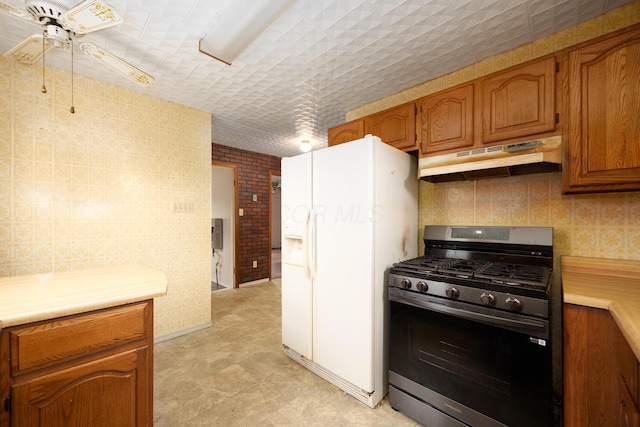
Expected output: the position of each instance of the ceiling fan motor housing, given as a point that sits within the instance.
(57, 36)
(43, 10)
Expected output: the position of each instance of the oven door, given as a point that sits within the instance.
(474, 371)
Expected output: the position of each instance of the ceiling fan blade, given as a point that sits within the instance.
(17, 12)
(88, 16)
(126, 69)
(29, 50)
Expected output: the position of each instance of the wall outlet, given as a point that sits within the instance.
(255, 197)
(255, 264)
(240, 212)
(180, 207)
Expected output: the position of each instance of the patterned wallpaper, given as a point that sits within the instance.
(126, 179)
(603, 225)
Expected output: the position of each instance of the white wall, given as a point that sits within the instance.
(222, 206)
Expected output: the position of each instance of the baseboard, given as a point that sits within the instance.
(182, 332)
(255, 282)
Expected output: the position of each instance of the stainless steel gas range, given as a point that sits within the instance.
(470, 337)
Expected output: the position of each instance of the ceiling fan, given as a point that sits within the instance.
(65, 21)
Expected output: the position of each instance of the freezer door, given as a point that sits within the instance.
(343, 221)
(297, 284)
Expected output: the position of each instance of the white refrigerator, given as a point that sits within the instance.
(348, 213)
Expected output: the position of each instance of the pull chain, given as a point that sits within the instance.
(72, 110)
(43, 89)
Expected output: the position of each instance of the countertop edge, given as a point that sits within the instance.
(587, 301)
(618, 284)
(34, 298)
(620, 312)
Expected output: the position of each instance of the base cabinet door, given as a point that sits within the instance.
(110, 392)
(629, 416)
(600, 370)
(90, 369)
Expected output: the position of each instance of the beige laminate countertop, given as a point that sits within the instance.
(608, 284)
(31, 298)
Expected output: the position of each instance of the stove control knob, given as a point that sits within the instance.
(513, 304)
(452, 292)
(405, 284)
(488, 299)
(422, 287)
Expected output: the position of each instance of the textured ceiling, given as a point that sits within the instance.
(320, 59)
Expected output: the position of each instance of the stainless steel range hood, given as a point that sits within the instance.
(535, 156)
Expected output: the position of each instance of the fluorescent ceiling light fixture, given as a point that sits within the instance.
(239, 26)
(305, 146)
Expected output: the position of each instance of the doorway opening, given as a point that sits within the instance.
(275, 227)
(223, 241)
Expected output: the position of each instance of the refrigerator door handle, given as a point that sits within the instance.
(305, 248)
(311, 244)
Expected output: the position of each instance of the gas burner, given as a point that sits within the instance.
(463, 268)
(508, 274)
(531, 276)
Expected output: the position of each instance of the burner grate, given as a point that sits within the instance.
(482, 271)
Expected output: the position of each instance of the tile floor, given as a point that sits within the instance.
(236, 374)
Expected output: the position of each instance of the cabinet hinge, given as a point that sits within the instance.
(557, 67)
(7, 404)
(557, 118)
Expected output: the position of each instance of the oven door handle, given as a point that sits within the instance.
(520, 324)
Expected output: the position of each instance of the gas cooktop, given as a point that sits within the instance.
(501, 268)
(500, 273)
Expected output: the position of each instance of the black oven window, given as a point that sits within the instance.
(502, 374)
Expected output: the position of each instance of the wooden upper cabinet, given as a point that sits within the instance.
(445, 120)
(603, 146)
(395, 126)
(519, 101)
(349, 131)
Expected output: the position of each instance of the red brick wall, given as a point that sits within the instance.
(253, 178)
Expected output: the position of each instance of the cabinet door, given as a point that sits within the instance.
(446, 120)
(596, 356)
(603, 147)
(395, 126)
(519, 101)
(346, 132)
(109, 392)
(629, 415)
(576, 365)
(5, 378)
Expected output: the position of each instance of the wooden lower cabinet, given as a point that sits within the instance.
(91, 369)
(600, 371)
